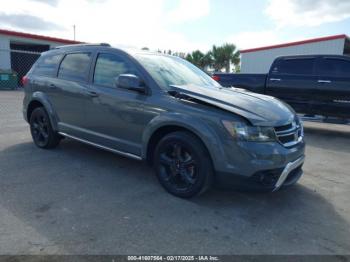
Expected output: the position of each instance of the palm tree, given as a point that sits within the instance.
(200, 59)
(232, 55)
(224, 56)
(218, 58)
(195, 58)
(207, 60)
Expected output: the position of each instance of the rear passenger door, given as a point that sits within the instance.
(334, 86)
(70, 91)
(294, 81)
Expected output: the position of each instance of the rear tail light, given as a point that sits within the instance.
(216, 78)
(25, 80)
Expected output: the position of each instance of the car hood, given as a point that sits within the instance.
(260, 110)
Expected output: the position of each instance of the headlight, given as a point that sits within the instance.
(245, 132)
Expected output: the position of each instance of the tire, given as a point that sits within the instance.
(41, 130)
(183, 165)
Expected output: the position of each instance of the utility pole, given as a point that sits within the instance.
(74, 31)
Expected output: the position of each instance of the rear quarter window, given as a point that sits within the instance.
(294, 66)
(75, 66)
(334, 67)
(47, 65)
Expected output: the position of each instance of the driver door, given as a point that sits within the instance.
(114, 116)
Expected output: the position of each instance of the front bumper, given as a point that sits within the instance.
(266, 180)
(260, 166)
(290, 167)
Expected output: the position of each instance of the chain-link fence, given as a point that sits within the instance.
(14, 64)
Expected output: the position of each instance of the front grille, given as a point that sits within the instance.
(289, 135)
(283, 128)
(286, 139)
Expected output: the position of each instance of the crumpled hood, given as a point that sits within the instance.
(259, 109)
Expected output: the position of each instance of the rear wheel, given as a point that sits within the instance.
(40, 127)
(183, 165)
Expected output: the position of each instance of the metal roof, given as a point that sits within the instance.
(314, 40)
(37, 37)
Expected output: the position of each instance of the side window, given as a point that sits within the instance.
(108, 67)
(293, 66)
(75, 66)
(334, 67)
(47, 65)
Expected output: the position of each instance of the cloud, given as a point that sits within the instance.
(28, 22)
(307, 12)
(189, 10)
(48, 2)
(292, 13)
(252, 39)
(131, 23)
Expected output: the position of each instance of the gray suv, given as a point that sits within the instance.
(162, 109)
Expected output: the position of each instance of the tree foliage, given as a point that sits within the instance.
(219, 57)
(200, 59)
(224, 56)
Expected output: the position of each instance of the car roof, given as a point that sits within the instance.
(313, 56)
(102, 46)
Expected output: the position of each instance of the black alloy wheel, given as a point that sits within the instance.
(183, 164)
(41, 129)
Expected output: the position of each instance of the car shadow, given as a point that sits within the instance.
(345, 133)
(88, 201)
(299, 213)
(328, 139)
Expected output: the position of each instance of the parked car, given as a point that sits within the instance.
(316, 85)
(163, 110)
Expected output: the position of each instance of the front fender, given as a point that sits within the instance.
(44, 100)
(208, 136)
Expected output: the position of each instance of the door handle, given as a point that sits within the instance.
(52, 86)
(324, 81)
(275, 79)
(93, 94)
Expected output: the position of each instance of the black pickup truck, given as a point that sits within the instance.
(313, 85)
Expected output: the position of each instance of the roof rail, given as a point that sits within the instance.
(99, 44)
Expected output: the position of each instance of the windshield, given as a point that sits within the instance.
(172, 70)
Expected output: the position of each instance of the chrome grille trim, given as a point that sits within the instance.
(287, 132)
(296, 132)
(293, 143)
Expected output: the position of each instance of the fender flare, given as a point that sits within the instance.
(44, 100)
(209, 138)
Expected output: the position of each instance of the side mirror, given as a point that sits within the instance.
(129, 81)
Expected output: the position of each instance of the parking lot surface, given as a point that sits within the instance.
(77, 199)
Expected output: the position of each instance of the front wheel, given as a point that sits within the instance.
(40, 127)
(183, 165)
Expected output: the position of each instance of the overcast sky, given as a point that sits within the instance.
(179, 25)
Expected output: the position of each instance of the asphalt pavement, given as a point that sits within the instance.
(77, 199)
